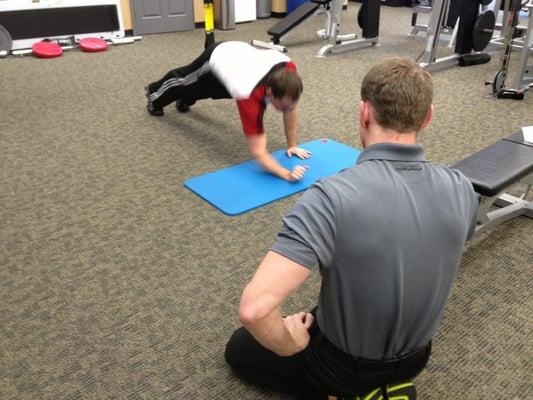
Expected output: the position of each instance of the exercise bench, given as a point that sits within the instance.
(494, 169)
(367, 18)
(301, 14)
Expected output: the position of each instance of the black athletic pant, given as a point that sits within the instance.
(190, 83)
(468, 13)
(319, 370)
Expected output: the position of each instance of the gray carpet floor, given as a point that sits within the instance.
(118, 282)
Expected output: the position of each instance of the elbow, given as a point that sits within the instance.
(251, 312)
(257, 152)
(257, 145)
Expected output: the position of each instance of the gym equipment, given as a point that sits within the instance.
(297, 17)
(93, 45)
(209, 21)
(472, 32)
(246, 186)
(368, 19)
(29, 22)
(68, 43)
(497, 41)
(5, 42)
(494, 169)
(524, 77)
(448, 21)
(46, 49)
(125, 40)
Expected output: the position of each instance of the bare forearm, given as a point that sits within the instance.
(289, 122)
(259, 311)
(269, 164)
(271, 333)
(258, 148)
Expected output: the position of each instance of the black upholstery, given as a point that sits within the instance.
(518, 137)
(498, 166)
(293, 19)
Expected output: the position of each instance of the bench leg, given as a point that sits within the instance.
(511, 207)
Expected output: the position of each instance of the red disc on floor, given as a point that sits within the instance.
(46, 49)
(93, 44)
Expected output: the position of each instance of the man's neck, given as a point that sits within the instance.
(381, 135)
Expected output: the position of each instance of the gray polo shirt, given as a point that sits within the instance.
(387, 235)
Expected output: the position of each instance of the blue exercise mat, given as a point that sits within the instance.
(243, 187)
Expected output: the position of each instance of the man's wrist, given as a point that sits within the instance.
(286, 174)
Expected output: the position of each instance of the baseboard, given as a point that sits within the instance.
(278, 14)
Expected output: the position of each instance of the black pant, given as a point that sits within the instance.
(321, 369)
(190, 83)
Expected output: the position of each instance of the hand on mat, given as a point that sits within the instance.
(298, 326)
(297, 173)
(300, 153)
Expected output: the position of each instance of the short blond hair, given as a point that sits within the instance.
(400, 93)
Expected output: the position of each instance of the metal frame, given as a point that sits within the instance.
(433, 30)
(419, 27)
(512, 207)
(340, 43)
(524, 76)
(336, 43)
(322, 34)
(498, 26)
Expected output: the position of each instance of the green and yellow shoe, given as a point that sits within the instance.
(400, 391)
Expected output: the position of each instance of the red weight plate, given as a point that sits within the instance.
(93, 45)
(46, 49)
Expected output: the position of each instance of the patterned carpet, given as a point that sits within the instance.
(117, 282)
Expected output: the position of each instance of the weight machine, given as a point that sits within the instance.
(524, 76)
(497, 41)
(473, 31)
(368, 19)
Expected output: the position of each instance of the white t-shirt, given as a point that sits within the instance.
(240, 66)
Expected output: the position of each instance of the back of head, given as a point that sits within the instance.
(285, 82)
(400, 93)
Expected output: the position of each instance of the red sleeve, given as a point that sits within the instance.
(290, 65)
(251, 111)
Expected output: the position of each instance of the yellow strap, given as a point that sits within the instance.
(209, 17)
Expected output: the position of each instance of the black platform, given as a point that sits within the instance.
(292, 20)
(518, 137)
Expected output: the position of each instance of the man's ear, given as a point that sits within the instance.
(364, 114)
(428, 117)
